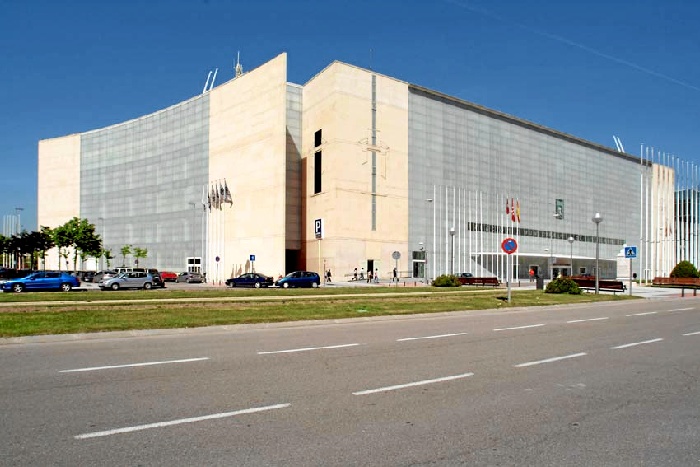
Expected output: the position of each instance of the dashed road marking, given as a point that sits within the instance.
(582, 320)
(416, 383)
(682, 309)
(550, 360)
(111, 367)
(644, 314)
(431, 337)
(520, 327)
(633, 344)
(692, 333)
(306, 349)
(130, 429)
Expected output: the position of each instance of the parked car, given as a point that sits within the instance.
(128, 280)
(190, 277)
(168, 276)
(299, 279)
(103, 275)
(250, 279)
(157, 278)
(87, 276)
(42, 280)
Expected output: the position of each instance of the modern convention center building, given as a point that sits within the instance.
(355, 169)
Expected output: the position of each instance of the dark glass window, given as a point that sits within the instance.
(317, 172)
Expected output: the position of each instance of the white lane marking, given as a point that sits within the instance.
(306, 349)
(624, 346)
(589, 319)
(644, 314)
(110, 367)
(682, 309)
(408, 385)
(520, 327)
(692, 333)
(431, 337)
(550, 360)
(129, 429)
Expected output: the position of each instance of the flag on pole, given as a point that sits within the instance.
(227, 194)
(222, 195)
(517, 210)
(512, 210)
(507, 207)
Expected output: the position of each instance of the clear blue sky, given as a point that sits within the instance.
(592, 69)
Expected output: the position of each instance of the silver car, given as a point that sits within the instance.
(128, 280)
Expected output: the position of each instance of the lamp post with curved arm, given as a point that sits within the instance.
(597, 219)
(571, 252)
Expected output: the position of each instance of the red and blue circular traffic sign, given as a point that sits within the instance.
(509, 245)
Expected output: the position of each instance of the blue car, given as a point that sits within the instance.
(299, 279)
(38, 281)
(250, 279)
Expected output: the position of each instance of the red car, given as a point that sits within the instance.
(168, 276)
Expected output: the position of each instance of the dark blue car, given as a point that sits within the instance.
(300, 279)
(37, 281)
(250, 279)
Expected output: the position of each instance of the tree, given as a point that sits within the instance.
(80, 235)
(107, 255)
(140, 253)
(125, 250)
(37, 243)
(4, 249)
(63, 238)
(684, 269)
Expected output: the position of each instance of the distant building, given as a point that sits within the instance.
(237, 177)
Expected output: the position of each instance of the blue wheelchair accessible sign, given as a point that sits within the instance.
(630, 252)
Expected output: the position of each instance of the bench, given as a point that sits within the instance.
(483, 281)
(603, 285)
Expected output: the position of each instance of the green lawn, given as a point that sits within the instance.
(83, 312)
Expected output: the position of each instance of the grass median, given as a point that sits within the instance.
(88, 312)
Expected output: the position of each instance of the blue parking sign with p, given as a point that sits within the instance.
(630, 252)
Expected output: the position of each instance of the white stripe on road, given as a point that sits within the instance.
(553, 359)
(110, 367)
(430, 337)
(624, 346)
(692, 333)
(682, 309)
(408, 385)
(129, 429)
(589, 319)
(306, 349)
(519, 327)
(644, 314)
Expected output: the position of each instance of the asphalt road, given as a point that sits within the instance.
(612, 384)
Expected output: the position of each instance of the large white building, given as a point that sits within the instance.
(237, 177)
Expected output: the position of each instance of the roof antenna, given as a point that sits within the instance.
(211, 86)
(206, 85)
(239, 68)
(618, 144)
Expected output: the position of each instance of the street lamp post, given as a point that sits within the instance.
(452, 251)
(571, 252)
(597, 219)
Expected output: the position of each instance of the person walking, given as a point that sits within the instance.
(532, 274)
(395, 278)
(369, 276)
(362, 274)
(354, 275)
(376, 276)
(329, 276)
